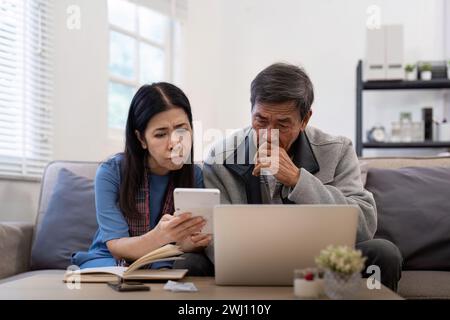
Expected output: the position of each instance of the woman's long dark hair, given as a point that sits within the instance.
(147, 102)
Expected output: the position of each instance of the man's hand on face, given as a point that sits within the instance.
(275, 159)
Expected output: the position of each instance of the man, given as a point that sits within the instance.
(310, 166)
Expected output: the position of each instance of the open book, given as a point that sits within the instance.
(168, 252)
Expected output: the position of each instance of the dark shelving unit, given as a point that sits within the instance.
(407, 85)
(393, 145)
(362, 86)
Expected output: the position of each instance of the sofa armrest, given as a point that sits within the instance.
(15, 247)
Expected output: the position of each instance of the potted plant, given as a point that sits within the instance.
(425, 71)
(448, 69)
(343, 266)
(409, 72)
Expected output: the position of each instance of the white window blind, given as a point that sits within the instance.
(25, 87)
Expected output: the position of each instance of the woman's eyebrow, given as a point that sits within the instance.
(176, 126)
(160, 128)
(181, 124)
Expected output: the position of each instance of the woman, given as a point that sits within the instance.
(134, 189)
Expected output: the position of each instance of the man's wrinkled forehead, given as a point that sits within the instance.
(281, 110)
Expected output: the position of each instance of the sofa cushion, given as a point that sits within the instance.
(402, 162)
(424, 285)
(413, 212)
(80, 168)
(15, 247)
(69, 223)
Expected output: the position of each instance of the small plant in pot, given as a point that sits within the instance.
(410, 73)
(425, 71)
(343, 266)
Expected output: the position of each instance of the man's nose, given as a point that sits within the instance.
(270, 131)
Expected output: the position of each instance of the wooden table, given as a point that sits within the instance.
(48, 285)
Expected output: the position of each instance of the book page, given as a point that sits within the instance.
(168, 251)
(118, 271)
(112, 274)
(95, 274)
(157, 274)
(95, 278)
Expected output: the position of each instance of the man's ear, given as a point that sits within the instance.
(138, 135)
(306, 120)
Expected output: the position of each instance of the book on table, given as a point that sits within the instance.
(135, 271)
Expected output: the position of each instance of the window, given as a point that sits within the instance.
(25, 87)
(140, 51)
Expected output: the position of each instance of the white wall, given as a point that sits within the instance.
(19, 200)
(81, 83)
(231, 41)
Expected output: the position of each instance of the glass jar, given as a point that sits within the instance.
(418, 131)
(396, 132)
(339, 286)
(308, 283)
(406, 127)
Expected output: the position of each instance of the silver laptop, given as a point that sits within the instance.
(264, 244)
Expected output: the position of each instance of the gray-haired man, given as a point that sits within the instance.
(312, 167)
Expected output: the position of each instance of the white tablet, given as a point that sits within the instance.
(200, 202)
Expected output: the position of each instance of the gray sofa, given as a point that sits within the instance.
(16, 238)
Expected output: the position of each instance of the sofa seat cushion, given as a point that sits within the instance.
(424, 285)
(413, 212)
(28, 274)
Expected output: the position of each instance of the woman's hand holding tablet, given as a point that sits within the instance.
(199, 202)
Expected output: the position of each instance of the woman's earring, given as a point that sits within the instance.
(144, 147)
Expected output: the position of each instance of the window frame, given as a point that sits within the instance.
(167, 47)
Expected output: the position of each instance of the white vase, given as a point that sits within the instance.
(338, 286)
(444, 131)
(425, 75)
(410, 76)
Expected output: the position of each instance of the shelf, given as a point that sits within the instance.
(362, 86)
(431, 144)
(406, 85)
